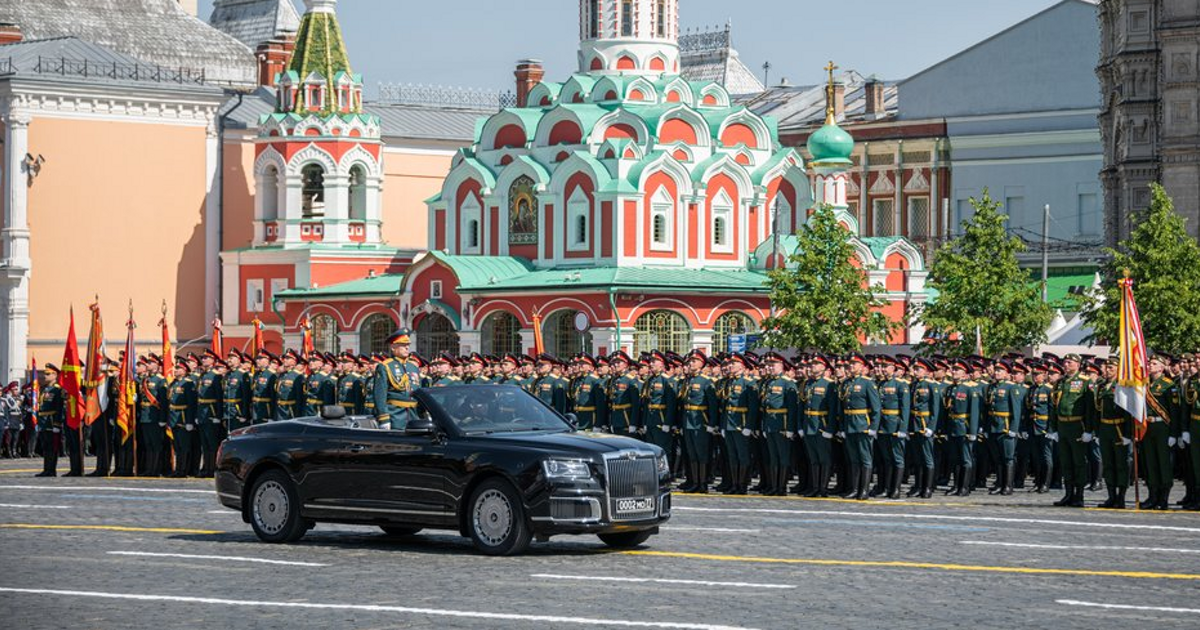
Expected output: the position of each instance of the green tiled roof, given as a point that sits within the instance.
(320, 49)
(387, 284)
(879, 244)
(476, 272)
(649, 278)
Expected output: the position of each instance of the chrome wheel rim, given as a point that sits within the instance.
(493, 517)
(271, 507)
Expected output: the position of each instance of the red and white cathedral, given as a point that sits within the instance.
(624, 208)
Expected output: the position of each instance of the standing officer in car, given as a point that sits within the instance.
(395, 381)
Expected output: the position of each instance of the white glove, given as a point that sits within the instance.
(714, 430)
(971, 438)
(1186, 438)
(1171, 442)
(665, 428)
(827, 435)
(1087, 437)
(1012, 434)
(641, 430)
(1053, 437)
(1126, 441)
(902, 435)
(190, 427)
(631, 430)
(789, 435)
(872, 433)
(927, 433)
(747, 432)
(162, 424)
(385, 426)
(1024, 435)
(841, 435)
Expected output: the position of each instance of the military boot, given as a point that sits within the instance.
(1119, 504)
(1112, 499)
(930, 479)
(918, 484)
(969, 476)
(1067, 498)
(823, 488)
(884, 482)
(1151, 499)
(864, 484)
(955, 485)
(690, 484)
(701, 479)
(897, 476)
(1010, 471)
(852, 482)
(1077, 501)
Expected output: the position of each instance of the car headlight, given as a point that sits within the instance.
(664, 466)
(566, 469)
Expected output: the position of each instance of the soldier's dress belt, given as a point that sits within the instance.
(178, 407)
(585, 409)
(890, 412)
(1002, 414)
(208, 401)
(403, 404)
(260, 399)
(287, 403)
(1070, 418)
(1113, 420)
(776, 411)
(812, 412)
(737, 409)
(857, 412)
(621, 407)
(696, 407)
(922, 414)
(658, 406)
(959, 416)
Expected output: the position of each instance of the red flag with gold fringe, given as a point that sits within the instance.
(70, 377)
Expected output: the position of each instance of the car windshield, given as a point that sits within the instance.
(486, 409)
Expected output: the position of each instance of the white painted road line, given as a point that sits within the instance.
(147, 554)
(1078, 547)
(942, 517)
(720, 530)
(597, 578)
(433, 612)
(109, 488)
(1073, 602)
(23, 506)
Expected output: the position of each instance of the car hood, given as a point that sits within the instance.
(573, 443)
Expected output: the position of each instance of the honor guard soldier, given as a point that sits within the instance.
(1189, 436)
(1114, 429)
(474, 370)
(817, 424)
(262, 390)
(51, 418)
(923, 425)
(1162, 433)
(181, 418)
(780, 407)
(1036, 426)
(1004, 406)
(550, 388)
(508, 371)
(624, 392)
(860, 411)
(350, 386)
(289, 388)
(590, 401)
(209, 392)
(895, 402)
(700, 420)
(237, 392)
(658, 406)
(320, 390)
(395, 380)
(961, 401)
(152, 419)
(739, 421)
(442, 371)
(366, 369)
(1071, 426)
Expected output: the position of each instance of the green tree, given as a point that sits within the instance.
(981, 287)
(822, 300)
(1164, 263)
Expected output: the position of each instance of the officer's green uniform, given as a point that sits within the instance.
(624, 403)
(552, 390)
(923, 426)
(209, 392)
(1164, 427)
(860, 411)
(350, 393)
(181, 417)
(700, 418)
(1114, 428)
(368, 389)
(1004, 406)
(739, 420)
(446, 381)
(289, 395)
(152, 400)
(51, 415)
(1036, 424)
(961, 402)
(590, 402)
(262, 397)
(1070, 418)
(1190, 418)
(818, 425)
(658, 413)
(895, 405)
(237, 399)
(319, 392)
(395, 381)
(780, 410)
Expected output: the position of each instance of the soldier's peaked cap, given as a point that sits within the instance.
(402, 335)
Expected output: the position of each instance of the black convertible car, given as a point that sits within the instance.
(492, 462)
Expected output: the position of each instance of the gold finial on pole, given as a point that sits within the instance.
(829, 113)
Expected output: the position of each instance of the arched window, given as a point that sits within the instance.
(269, 187)
(373, 334)
(561, 336)
(578, 209)
(522, 212)
(501, 334)
(626, 18)
(435, 335)
(731, 323)
(471, 213)
(662, 213)
(325, 334)
(662, 330)
(358, 193)
(722, 219)
(593, 19)
(660, 27)
(313, 191)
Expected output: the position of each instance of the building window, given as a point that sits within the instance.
(269, 187)
(593, 19)
(626, 18)
(312, 177)
(471, 213)
(562, 338)
(662, 211)
(522, 212)
(358, 193)
(722, 212)
(578, 208)
(660, 28)
(373, 334)
(254, 296)
(1014, 207)
(1088, 211)
(852, 210)
(435, 289)
(501, 334)
(324, 331)
(731, 323)
(435, 335)
(662, 330)
(884, 211)
(920, 221)
(278, 285)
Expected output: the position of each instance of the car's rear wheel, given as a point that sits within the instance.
(393, 530)
(497, 519)
(626, 540)
(275, 509)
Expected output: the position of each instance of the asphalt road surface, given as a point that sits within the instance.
(155, 553)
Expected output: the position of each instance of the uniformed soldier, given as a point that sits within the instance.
(262, 391)
(181, 418)
(350, 385)
(658, 406)
(1114, 429)
(860, 418)
(895, 402)
(1071, 427)
(51, 417)
(818, 424)
(320, 390)
(442, 375)
(699, 420)
(210, 391)
(589, 400)
(152, 419)
(739, 420)
(1036, 426)
(1004, 406)
(961, 400)
(549, 387)
(396, 378)
(624, 396)
(1189, 437)
(780, 409)
(289, 387)
(923, 425)
(1162, 432)
(238, 392)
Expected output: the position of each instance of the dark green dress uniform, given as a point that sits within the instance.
(923, 425)
(895, 405)
(181, 417)
(289, 395)
(262, 397)
(209, 393)
(1114, 429)
(446, 381)
(350, 393)
(1004, 406)
(51, 417)
(590, 402)
(780, 410)
(395, 381)
(1070, 420)
(658, 413)
(552, 390)
(368, 389)
(699, 419)
(319, 392)
(624, 403)
(1190, 436)
(237, 399)
(1162, 432)
(152, 416)
(1036, 425)
(860, 418)
(961, 401)
(739, 421)
(818, 425)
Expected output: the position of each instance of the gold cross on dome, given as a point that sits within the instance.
(830, 68)
(829, 111)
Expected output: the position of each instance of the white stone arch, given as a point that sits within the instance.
(269, 158)
(687, 96)
(725, 164)
(665, 163)
(916, 262)
(609, 83)
(523, 165)
(498, 121)
(540, 92)
(716, 91)
(574, 164)
(359, 155)
(865, 256)
(680, 146)
(551, 119)
(466, 170)
(572, 87)
(647, 88)
(617, 117)
(690, 116)
(312, 154)
(666, 62)
(762, 133)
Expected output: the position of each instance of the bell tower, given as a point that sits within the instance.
(633, 37)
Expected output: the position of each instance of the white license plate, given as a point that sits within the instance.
(625, 506)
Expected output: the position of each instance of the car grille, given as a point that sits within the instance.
(631, 478)
(585, 509)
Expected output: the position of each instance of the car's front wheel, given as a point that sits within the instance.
(497, 519)
(275, 509)
(626, 540)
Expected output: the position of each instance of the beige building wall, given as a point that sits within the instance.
(410, 177)
(117, 211)
(238, 188)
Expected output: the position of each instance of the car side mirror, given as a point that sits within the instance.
(421, 426)
(333, 412)
(573, 420)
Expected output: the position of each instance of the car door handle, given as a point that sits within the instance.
(357, 448)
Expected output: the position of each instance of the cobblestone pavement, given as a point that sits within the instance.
(155, 553)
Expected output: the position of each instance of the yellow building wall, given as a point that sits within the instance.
(117, 211)
(410, 179)
(238, 189)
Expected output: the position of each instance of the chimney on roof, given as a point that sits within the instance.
(529, 73)
(10, 33)
(273, 57)
(189, 7)
(839, 100)
(875, 108)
